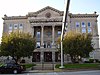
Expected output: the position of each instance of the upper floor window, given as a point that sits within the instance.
(49, 34)
(38, 34)
(83, 24)
(10, 26)
(77, 24)
(83, 30)
(37, 44)
(20, 26)
(15, 26)
(89, 30)
(89, 24)
(59, 33)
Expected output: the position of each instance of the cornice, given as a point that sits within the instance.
(14, 17)
(83, 15)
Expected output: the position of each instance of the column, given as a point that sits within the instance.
(53, 56)
(42, 28)
(33, 31)
(42, 57)
(53, 35)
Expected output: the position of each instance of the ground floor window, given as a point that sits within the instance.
(36, 57)
(47, 56)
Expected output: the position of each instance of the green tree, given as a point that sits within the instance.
(17, 45)
(77, 45)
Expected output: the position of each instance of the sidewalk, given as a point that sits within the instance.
(57, 70)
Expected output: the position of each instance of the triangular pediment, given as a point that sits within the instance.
(45, 10)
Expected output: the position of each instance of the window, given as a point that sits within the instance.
(77, 24)
(38, 45)
(89, 30)
(49, 34)
(83, 30)
(15, 26)
(83, 24)
(38, 34)
(20, 26)
(10, 26)
(89, 24)
(59, 33)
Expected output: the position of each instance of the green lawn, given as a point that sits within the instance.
(80, 66)
(1, 64)
(29, 65)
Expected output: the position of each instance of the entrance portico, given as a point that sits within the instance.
(46, 29)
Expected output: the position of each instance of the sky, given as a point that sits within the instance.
(22, 7)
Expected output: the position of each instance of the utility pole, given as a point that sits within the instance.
(67, 2)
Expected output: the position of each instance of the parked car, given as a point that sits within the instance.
(11, 68)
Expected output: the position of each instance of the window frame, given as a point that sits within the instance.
(83, 25)
(77, 24)
(16, 26)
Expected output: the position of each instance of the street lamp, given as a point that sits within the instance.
(67, 2)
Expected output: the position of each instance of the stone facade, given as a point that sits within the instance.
(46, 26)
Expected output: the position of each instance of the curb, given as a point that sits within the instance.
(58, 70)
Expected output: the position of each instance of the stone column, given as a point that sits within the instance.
(42, 28)
(53, 35)
(42, 57)
(53, 57)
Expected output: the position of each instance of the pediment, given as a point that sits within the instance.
(46, 12)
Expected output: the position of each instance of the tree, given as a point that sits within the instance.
(77, 45)
(17, 45)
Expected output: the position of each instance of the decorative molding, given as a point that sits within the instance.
(34, 14)
(14, 17)
(82, 15)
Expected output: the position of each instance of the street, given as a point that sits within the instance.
(94, 72)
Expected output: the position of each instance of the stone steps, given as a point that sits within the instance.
(43, 67)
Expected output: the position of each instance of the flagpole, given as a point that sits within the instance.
(67, 2)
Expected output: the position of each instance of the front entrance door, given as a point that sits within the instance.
(47, 56)
(36, 57)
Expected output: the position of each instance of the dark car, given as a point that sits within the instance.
(11, 68)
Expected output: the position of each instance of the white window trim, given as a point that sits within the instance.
(37, 44)
(84, 24)
(15, 25)
(21, 27)
(10, 26)
(84, 31)
(89, 30)
(77, 23)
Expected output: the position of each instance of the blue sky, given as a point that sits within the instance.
(22, 7)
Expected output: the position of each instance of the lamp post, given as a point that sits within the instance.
(67, 2)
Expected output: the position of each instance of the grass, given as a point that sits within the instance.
(29, 65)
(80, 66)
(1, 64)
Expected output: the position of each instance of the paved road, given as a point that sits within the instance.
(95, 72)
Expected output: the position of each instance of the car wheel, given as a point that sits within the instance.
(15, 71)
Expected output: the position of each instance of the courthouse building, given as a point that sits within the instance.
(46, 26)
